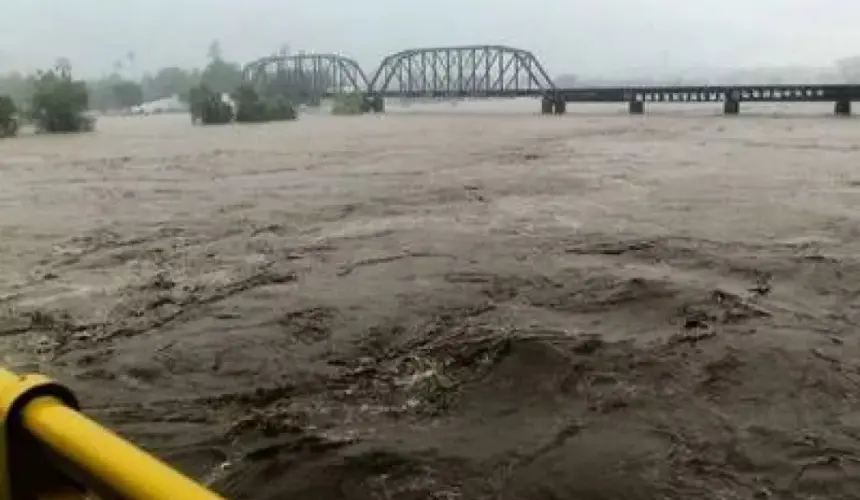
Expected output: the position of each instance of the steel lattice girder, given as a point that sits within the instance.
(461, 71)
(327, 73)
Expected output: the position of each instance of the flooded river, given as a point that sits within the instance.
(470, 302)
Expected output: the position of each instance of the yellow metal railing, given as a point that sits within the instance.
(50, 451)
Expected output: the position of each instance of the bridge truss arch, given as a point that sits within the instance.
(319, 74)
(458, 72)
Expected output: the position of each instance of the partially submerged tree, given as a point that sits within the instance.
(59, 102)
(249, 106)
(209, 107)
(279, 108)
(8, 117)
(252, 108)
(349, 104)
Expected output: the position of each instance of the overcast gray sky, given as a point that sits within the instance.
(579, 36)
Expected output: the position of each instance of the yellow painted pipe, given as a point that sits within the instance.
(130, 472)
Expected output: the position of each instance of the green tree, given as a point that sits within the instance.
(113, 92)
(253, 108)
(208, 108)
(168, 82)
(59, 101)
(221, 76)
(100, 93)
(19, 87)
(127, 93)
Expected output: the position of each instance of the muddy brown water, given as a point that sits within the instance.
(471, 302)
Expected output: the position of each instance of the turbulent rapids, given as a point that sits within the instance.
(474, 302)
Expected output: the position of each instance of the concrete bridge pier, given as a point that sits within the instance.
(731, 106)
(553, 105)
(842, 108)
(637, 107)
(373, 103)
(546, 105)
(377, 104)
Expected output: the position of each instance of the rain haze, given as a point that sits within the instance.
(573, 36)
(456, 278)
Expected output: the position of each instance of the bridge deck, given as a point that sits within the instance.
(683, 93)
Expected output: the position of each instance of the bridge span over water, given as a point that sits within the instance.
(497, 71)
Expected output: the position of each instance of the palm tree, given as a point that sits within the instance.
(63, 66)
(130, 58)
(214, 51)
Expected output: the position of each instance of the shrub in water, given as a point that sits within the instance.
(348, 104)
(59, 103)
(251, 108)
(279, 108)
(8, 117)
(208, 107)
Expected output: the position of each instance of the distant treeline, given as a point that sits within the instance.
(117, 91)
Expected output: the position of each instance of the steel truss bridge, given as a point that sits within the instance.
(318, 75)
(496, 71)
